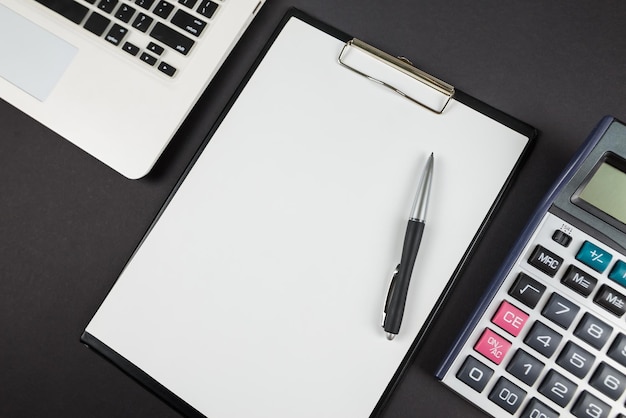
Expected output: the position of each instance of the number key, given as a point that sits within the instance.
(525, 367)
(575, 360)
(507, 396)
(557, 388)
(543, 339)
(593, 331)
(537, 409)
(560, 311)
(588, 406)
(608, 381)
(618, 349)
(474, 374)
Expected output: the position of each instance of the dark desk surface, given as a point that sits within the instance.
(68, 223)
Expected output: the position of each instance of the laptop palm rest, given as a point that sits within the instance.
(31, 58)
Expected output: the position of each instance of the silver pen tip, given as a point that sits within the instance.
(390, 336)
(420, 204)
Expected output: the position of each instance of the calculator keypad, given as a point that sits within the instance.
(552, 342)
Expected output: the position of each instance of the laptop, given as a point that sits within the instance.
(115, 77)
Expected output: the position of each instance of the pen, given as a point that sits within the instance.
(399, 286)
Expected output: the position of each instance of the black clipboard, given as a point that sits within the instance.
(447, 93)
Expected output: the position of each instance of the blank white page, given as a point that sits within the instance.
(259, 291)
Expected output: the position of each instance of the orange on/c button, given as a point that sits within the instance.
(510, 319)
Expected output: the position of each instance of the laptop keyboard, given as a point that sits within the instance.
(157, 32)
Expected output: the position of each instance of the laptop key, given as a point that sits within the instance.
(146, 4)
(148, 59)
(188, 3)
(166, 69)
(97, 24)
(107, 5)
(171, 38)
(163, 9)
(125, 13)
(157, 49)
(116, 34)
(207, 8)
(142, 22)
(67, 8)
(132, 49)
(188, 23)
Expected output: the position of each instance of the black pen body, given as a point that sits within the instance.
(397, 297)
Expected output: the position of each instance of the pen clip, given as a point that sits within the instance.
(390, 289)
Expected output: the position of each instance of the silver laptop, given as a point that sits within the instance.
(115, 77)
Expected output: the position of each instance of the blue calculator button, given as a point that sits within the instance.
(618, 273)
(594, 256)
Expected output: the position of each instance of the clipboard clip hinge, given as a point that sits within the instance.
(402, 83)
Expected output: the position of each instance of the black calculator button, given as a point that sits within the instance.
(611, 300)
(536, 408)
(543, 339)
(560, 311)
(588, 406)
(527, 290)
(557, 388)
(545, 260)
(525, 367)
(608, 381)
(617, 351)
(593, 331)
(507, 395)
(579, 281)
(561, 238)
(474, 374)
(575, 360)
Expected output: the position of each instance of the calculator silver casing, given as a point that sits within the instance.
(557, 212)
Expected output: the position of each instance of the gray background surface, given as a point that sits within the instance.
(68, 223)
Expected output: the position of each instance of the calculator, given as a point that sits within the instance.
(549, 337)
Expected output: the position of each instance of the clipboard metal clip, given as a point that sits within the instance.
(378, 70)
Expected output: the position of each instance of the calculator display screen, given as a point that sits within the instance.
(605, 189)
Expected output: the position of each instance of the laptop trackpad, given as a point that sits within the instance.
(31, 58)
